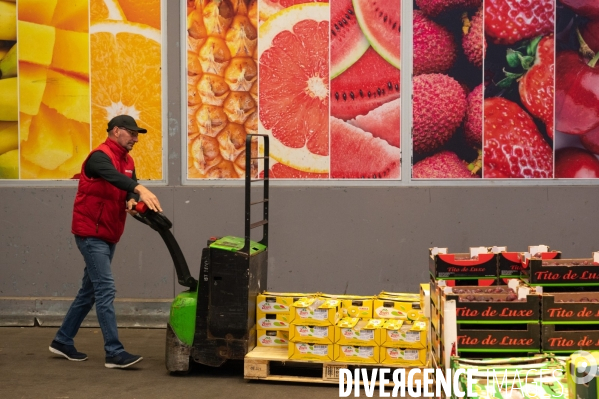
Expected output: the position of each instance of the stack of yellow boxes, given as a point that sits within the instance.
(312, 328)
(273, 314)
(404, 334)
(356, 333)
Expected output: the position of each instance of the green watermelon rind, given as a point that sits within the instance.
(359, 46)
(387, 55)
(350, 59)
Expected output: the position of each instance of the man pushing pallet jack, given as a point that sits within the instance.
(214, 319)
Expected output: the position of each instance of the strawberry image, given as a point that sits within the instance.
(537, 85)
(576, 93)
(536, 82)
(509, 21)
(513, 146)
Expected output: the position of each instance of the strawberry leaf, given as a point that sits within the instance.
(527, 61)
(509, 79)
(532, 47)
(513, 58)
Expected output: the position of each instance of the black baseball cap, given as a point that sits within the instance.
(125, 121)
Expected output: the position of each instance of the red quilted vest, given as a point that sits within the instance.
(99, 209)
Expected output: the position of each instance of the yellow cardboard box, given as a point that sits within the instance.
(315, 312)
(276, 302)
(356, 354)
(355, 331)
(404, 357)
(273, 321)
(425, 298)
(390, 307)
(272, 338)
(312, 334)
(404, 334)
(354, 305)
(305, 351)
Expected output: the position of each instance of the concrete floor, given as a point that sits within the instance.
(29, 370)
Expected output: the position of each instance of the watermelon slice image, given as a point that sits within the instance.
(348, 43)
(380, 21)
(383, 122)
(356, 154)
(358, 90)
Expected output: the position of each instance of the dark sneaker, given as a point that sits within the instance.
(122, 360)
(67, 351)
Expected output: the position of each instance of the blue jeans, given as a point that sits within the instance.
(97, 286)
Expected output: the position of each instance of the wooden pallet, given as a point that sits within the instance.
(273, 364)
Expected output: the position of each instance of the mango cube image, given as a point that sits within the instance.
(71, 52)
(38, 11)
(32, 83)
(36, 42)
(68, 95)
(49, 143)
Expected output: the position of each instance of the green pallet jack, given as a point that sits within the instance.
(214, 319)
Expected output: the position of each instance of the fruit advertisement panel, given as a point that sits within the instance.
(483, 89)
(577, 89)
(327, 114)
(68, 67)
(365, 89)
(447, 84)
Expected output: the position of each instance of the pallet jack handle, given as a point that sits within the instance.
(248, 193)
(159, 222)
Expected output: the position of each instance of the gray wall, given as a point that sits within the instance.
(357, 239)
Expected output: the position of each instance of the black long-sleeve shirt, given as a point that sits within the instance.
(99, 165)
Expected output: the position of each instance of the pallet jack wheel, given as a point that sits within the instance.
(177, 353)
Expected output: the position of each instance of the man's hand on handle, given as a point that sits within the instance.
(147, 197)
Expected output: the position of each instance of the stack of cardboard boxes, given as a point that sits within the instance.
(570, 301)
(386, 329)
(273, 314)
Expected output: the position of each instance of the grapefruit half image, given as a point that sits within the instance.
(270, 7)
(293, 54)
(126, 79)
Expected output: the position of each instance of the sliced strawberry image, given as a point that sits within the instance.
(536, 84)
(513, 146)
(509, 21)
(576, 93)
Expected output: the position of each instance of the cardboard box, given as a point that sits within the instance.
(315, 312)
(562, 272)
(305, 351)
(273, 321)
(462, 265)
(356, 354)
(277, 302)
(272, 338)
(568, 338)
(355, 331)
(397, 307)
(353, 305)
(312, 334)
(500, 304)
(425, 299)
(404, 334)
(499, 338)
(510, 264)
(404, 357)
(570, 307)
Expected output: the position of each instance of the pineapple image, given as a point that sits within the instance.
(222, 86)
